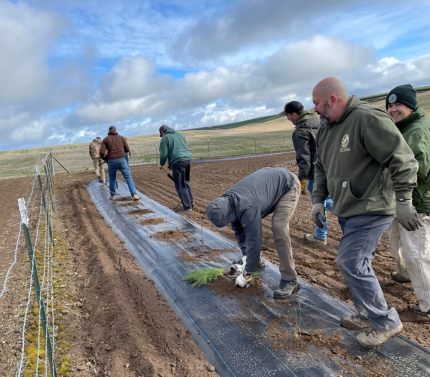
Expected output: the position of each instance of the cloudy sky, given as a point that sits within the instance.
(71, 68)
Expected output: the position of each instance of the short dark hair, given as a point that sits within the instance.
(292, 107)
(163, 128)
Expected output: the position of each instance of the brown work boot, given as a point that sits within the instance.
(416, 309)
(182, 209)
(286, 289)
(135, 197)
(373, 338)
(354, 322)
(312, 238)
(399, 278)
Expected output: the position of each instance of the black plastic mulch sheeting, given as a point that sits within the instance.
(232, 332)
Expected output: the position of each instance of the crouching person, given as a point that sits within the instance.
(268, 190)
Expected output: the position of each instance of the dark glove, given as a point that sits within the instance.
(407, 216)
(318, 209)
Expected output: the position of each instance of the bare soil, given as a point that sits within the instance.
(151, 221)
(119, 324)
(171, 235)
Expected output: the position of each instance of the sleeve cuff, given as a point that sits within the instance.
(318, 199)
(403, 194)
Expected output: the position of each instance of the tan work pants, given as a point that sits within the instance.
(412, 252)
(284, 210)
(99, 170)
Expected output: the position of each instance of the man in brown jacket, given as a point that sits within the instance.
(95, 156)
(115, 146)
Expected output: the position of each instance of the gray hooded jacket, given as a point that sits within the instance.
(248, 201)
(307, 125)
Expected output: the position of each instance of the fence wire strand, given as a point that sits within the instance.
(33, 266)
(16, 246)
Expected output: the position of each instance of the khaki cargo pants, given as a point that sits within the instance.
(99, 170)
(284, 210)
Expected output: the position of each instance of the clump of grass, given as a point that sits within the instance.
(257, 275)
(203, 275)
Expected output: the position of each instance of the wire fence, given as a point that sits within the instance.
(39, 328)
(145, 151)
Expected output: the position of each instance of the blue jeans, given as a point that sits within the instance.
(361, 235)
(121, 165)
(126, 158)
(321, 233)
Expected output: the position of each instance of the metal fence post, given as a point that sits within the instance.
(255, 144)
(48, 181)
(44, 205)
(52, 165)
(36, 282)
(49, 166)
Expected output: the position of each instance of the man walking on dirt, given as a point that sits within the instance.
(173, 147)
(307, 124)
(268, 190)
(115, 146)
(94, 148)
(359, 149)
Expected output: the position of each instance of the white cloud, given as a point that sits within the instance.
(66, 75)
(133, 89)
(241, 27)
(132, 77)
(33, 132)
(27, 34)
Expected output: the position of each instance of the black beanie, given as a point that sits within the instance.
(404, 94)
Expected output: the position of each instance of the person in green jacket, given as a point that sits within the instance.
(173, 147)
(366, 166)
(412, 249)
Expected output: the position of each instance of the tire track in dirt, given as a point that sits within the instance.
(127, 320)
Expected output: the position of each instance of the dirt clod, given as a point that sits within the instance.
(151, 221)
(173, 235)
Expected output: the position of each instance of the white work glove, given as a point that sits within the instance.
(318, 209)
(407, 216)
(241, 281)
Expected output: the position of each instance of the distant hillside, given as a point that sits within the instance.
(381, 97)
(240, 124)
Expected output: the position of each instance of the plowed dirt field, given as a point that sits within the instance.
(120, 324)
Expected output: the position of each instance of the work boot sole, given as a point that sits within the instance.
(278, 296)
(363, 341)
(414, 308)
(312, 239)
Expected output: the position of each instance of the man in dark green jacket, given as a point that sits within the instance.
(173, 147)
(359, 148)
(412, 249)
